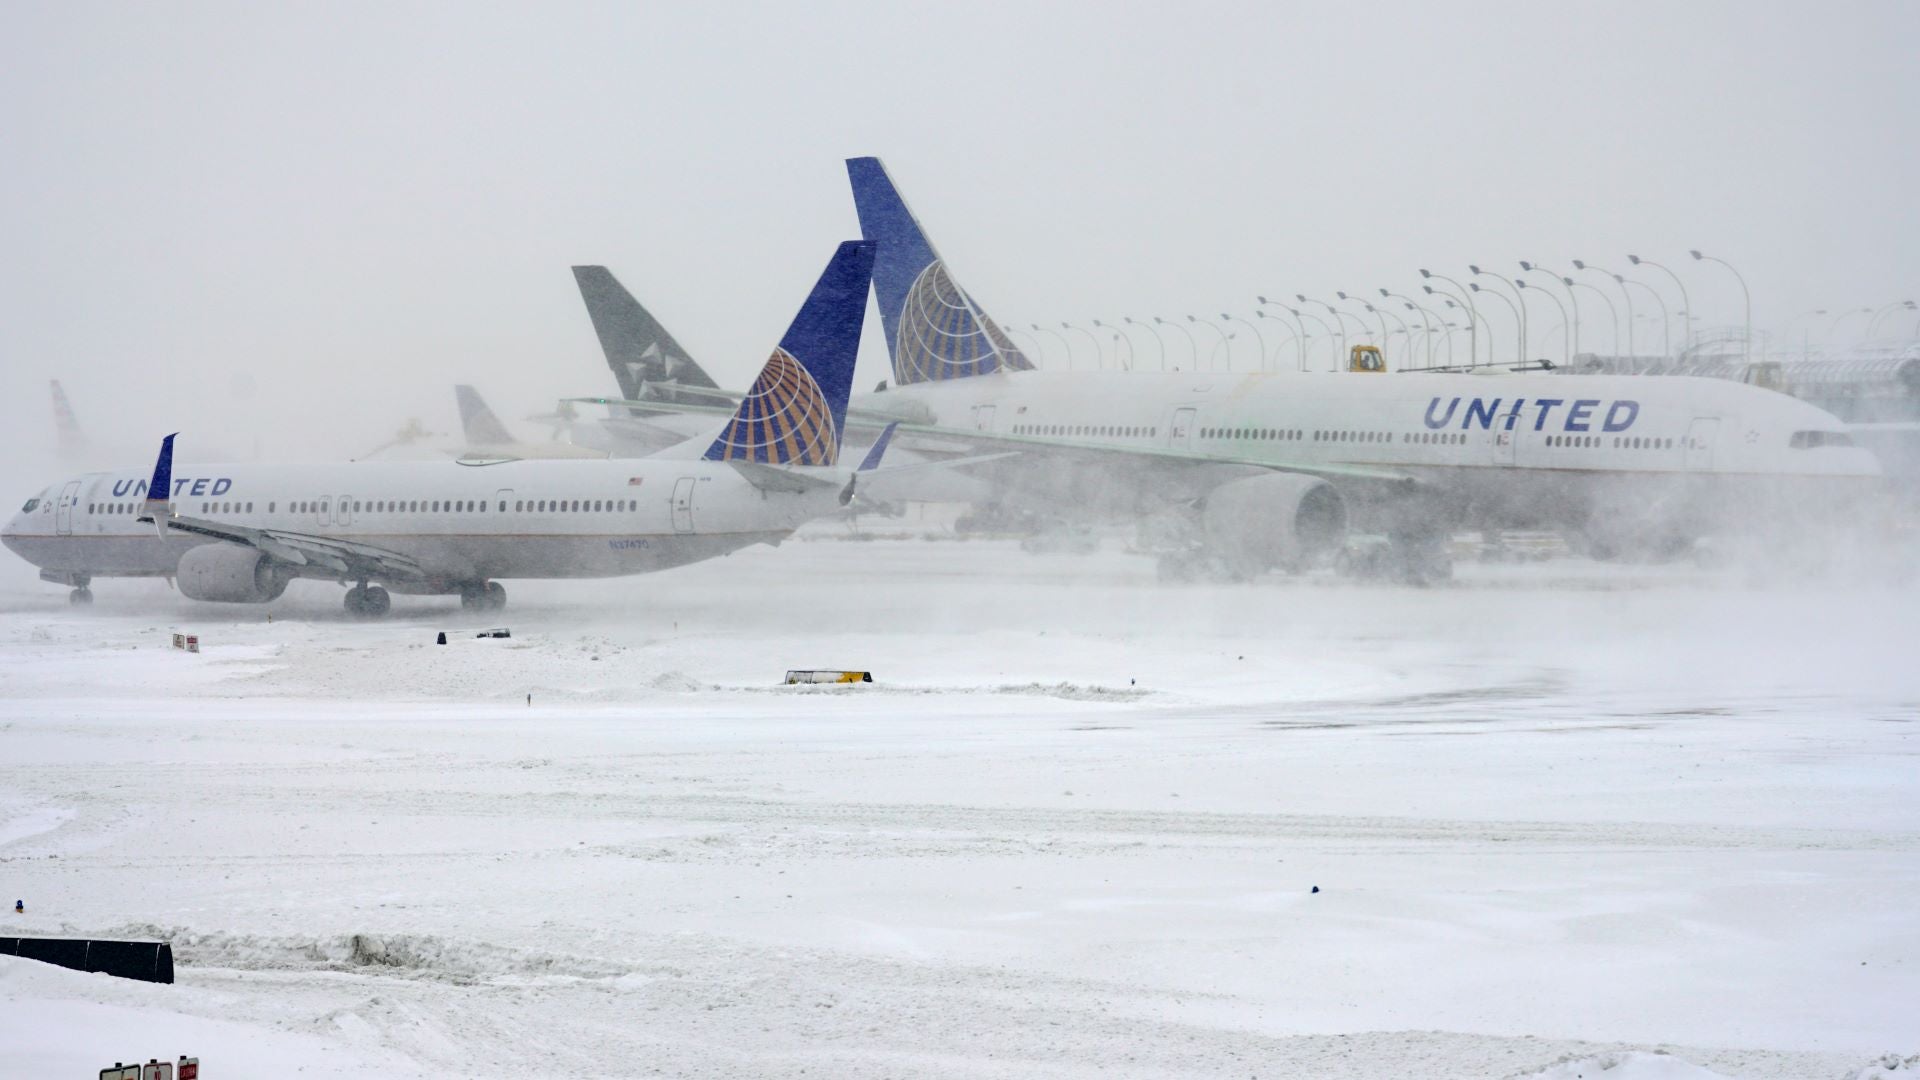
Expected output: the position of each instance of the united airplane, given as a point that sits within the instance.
(1270, 470)
(241, 533)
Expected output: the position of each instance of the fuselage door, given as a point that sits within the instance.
(683, 505)
(1180, 432)
(1503, 441)
(502, 499)
(983, 418)
(343, 510)
(63, 510)
(1700, 437)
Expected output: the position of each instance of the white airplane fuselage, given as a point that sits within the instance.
(1512, 449)
(461, 522)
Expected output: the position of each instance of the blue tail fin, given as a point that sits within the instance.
(797, 408)
(879, 449)
(160, 487)
(934, 329)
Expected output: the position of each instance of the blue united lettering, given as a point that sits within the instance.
(205, 485)
(1581, 415)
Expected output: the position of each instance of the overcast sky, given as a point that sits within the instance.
(293, 226)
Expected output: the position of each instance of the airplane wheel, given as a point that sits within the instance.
(496, 596)
(473, 598)
(80, 597)
(376, 603)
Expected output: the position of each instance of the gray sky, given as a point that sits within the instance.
(293, 226)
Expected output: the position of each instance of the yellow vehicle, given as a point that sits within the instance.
(1366, 358)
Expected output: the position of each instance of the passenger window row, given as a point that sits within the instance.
(1096, 431)
(1254, 434)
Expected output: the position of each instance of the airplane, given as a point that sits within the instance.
(241, 533)
(1269, 471)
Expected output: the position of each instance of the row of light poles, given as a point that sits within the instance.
(1444, 303)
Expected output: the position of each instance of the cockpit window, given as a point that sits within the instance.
(1808, 440)
(32, 505)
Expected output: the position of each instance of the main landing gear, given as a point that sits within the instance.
(368, 601)
(81, 596)
(486, 596)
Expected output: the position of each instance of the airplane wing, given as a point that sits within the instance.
(301, 551)
(306, 551)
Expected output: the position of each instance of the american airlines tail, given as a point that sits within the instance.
(797, 409)
(66, 425)
(646, 361)
(935, 331)
(477, 422)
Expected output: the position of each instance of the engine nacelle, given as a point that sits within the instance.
(230, 574)
(1284, 520)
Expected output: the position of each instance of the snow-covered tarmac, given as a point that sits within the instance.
(1565, 820)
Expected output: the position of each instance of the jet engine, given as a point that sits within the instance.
(1279, 520)
(230, 574)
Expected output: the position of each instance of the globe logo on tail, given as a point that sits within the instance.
(784, 420)
(944, 335)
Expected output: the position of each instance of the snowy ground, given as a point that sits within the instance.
(1565, 821)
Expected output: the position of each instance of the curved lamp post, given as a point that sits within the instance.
(1340, 325)
(1473, 317)
(1572, 300)
(1039, 354)
(1519, 323)
(1118, 337)
(1566, 342)
(1225, 342)
(1193, 347)
(1873, 324)
(1746, 299)
(1099, 358)
(1257, 336)
(1613, 312)
(1517, 304)
(1055, 335)
(1335, 334)
(1299, 346)
(1300, 328)
(1686, 305)
(1157, 339)
(1426, 321)
(1383, 323)
(1622, 282)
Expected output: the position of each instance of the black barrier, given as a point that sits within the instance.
(147, 961)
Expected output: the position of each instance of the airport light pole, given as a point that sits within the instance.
(1566, 342)
(1518, 304)
(1064, 343)
(1404, 328)
(1426, 323)
(1118, 336)
(1303, 341)
(1224, 342)
(1465, 296)
(1873, 324)
(1339, 324)
(1335, 335)
(1099, 358)
(1157, 339)
(1745, 297)
(1383, 323)
(1686, 305)
(1519, 321)
(1666, 327)
(1299, 344)
(1622, 282)
(1193, 347)
(1536, 268)
(1612, 311)
(1039, 353)
(1257, 336)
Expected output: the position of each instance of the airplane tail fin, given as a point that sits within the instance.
(797, 409)
(160, 488)
(935, 331)
(646, 361)
(477, 422)
(66, 426)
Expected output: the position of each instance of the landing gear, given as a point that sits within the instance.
(80, 597)
(368, 601)
(488, 596)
